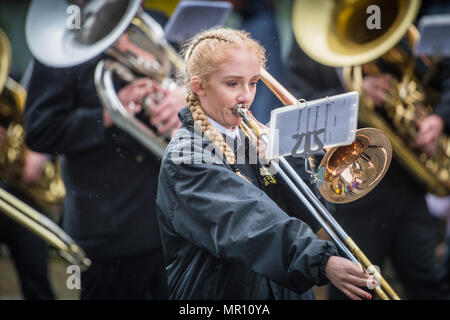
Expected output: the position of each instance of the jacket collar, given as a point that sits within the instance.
(186, 119)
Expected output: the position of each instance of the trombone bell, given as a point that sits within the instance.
(350, 172)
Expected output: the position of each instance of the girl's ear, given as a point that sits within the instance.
(197, 86)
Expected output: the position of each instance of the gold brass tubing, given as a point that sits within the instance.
(33, 226)
(380, 293)
(277, 88)
(252, 123)
(248, 132)
(32, 213)
(43, 227)
(366, 262)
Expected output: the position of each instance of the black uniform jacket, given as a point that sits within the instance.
(226, 238)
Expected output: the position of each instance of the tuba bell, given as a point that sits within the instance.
(133, 41)
(341, 41)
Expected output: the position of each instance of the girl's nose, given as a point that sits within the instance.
(245, 96)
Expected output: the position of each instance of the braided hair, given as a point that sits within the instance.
(201, 55)
(211, 133)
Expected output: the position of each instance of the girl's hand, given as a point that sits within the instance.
(348, 277)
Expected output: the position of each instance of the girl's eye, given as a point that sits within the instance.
(254, 83)
(232, 84)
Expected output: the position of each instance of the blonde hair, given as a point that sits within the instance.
(207, 50)
(201, 56)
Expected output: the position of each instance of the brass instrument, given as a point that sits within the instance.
(133, 41)
(334, 33)
(44, 228)
(364, 162)
(344, 159)
(49, 191)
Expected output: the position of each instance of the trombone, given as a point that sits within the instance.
(315, 207)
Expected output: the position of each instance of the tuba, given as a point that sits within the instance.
(133, 41)
(341, 39)
(49, 191)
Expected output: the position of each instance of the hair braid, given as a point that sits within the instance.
(207, 36)
(207, 50)
(211, 133)
(202, 55)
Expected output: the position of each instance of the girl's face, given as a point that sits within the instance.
(233, 82)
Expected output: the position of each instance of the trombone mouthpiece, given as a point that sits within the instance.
(240, 110)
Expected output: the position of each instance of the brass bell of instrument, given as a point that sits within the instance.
(351, 172)
(49, 191)
(134, 45)
(335, 33)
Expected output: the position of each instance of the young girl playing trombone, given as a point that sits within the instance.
(227, 231)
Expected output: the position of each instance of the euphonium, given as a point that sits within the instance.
(133, 41)
(341, 38)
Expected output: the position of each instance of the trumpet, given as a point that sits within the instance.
(306, 196)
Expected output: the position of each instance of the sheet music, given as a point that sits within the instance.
(309, 127)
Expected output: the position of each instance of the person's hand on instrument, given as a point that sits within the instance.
(376, 87)
(430, 129)
(33, 167)
(164, 114)
(348, 277)
(132, 96)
